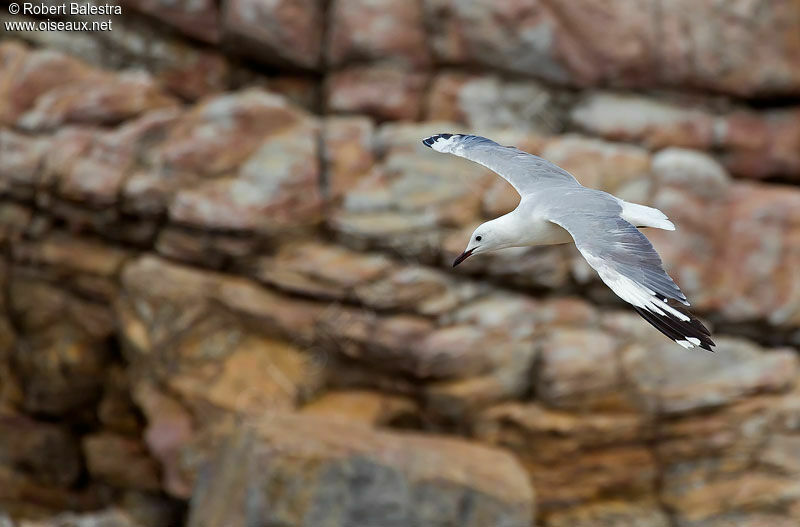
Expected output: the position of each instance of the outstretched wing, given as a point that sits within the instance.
(627, 262)
(521, 169)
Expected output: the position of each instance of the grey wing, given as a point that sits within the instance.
(628, 264)
(526, 172)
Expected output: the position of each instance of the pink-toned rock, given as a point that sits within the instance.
(516, 36)
(97, 177)
(565, 44)
(20, 163)
(671, 381)
(488, 102)
(322, 271)
(370, 31)
(443, 102)
(691, 187)
(764, 144)
(417, 289)
(106, 99)
(275, 188)
(579, 370)
(749, 143)
(283, 32)
(599, 164)
(197, 18)
(384, 92)
(67, 147)
(27, 75)
(654, 122)
(179, 64)
(761, 247)
(458, 351)
(413, 345)
(755, 236)
(147, 192)
(407, 202)
(219, 133)
(169, 429)
(347, 153)
(759, 220)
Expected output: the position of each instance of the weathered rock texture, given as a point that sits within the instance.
(225, 291)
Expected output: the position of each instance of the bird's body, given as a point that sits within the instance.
(555, 208)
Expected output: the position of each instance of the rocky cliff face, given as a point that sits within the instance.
(226, 297)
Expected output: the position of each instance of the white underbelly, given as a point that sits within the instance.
(543, 232)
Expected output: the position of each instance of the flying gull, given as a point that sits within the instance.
(556, 209)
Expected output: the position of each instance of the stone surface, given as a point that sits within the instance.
(121, 462)
(365, 407)
(580, 370)
(216, 136)
(611, 514)
(46, 452)
(27, 75)
(105, 518)
(488, 102)
(62, 351)
(96, 175)
(100, 99)
(653, 122)
(750, 144)
(20, 162)
(369, 30)
(347, 153)
(275, 187)
(184, 69)
(314, 311)
(198, 19)
(667, 379)
(638, 48)
(286, 32)
(381, 91)
(304, 471)
(573, 458)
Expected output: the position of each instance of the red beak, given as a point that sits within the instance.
(463, 256)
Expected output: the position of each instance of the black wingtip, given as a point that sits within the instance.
(680, 330)
(432, 139)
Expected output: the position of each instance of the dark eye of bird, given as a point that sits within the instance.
(477, 238)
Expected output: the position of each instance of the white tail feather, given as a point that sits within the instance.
(643, 216)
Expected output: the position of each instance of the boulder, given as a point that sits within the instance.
(303, 470)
